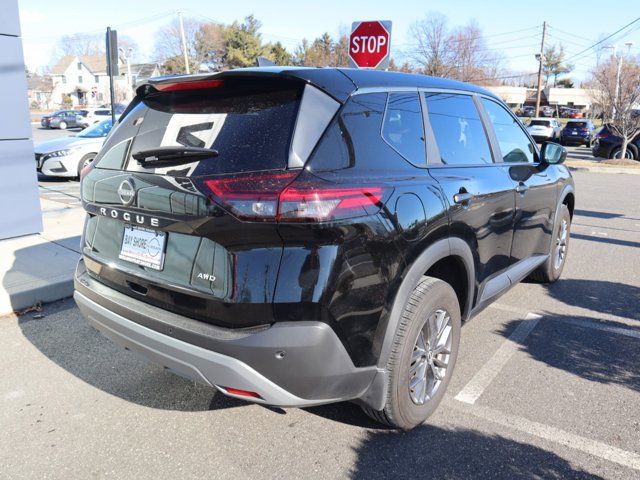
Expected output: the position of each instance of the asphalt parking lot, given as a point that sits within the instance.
(547, 385)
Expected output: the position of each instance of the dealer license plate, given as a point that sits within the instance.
(143, 246)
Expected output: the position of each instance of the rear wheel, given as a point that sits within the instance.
(551, 269)
(423, 356)
(62, 125)
(617, 153)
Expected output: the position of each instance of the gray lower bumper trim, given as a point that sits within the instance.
(188, 360)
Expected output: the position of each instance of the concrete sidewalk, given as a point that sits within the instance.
(39, 268)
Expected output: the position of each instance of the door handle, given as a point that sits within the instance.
(522, 188)
(462, 197)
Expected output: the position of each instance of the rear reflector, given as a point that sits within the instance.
(240, 393)
(294, 197)
(184, 85)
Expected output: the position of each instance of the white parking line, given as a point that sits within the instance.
(628, 332)
(555, 435)
(490, 370)
(602, 327)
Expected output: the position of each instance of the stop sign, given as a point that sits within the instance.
(369, 44)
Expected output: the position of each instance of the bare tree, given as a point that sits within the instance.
(617, 90)
(168, 46)
(461, 53)
(433, 45)
(80, 45)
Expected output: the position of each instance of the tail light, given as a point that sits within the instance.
(602, 135)
(187, 85)
(294, 197)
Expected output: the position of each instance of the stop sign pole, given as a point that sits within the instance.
(370, 44)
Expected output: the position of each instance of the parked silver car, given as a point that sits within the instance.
(544, 129)
(67, 156)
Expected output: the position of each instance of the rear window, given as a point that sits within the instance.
(576, 124)
(540, 123)
(249, 122)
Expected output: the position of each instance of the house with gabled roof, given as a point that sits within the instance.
(84, 80)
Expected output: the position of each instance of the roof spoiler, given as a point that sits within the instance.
(331, 81)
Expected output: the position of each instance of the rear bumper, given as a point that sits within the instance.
(542, 138)
(315, 368)
(575, 139)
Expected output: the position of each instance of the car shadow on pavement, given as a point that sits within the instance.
(600, 296)
(433, 452)
(66, 339)
(571, 343)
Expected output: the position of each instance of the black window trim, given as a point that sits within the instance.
(518, 122)
(434, 160)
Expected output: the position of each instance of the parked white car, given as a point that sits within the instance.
(544, 129)
(67, 156)
(94, 115)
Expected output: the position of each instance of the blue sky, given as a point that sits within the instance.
(576, 24)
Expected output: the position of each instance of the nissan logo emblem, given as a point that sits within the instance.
(127, 192)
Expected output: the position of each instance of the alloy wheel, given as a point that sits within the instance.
(561, 244)
(430, 357)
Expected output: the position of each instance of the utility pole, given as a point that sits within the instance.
(112, 67)
(126, 55)
(184, 44)
(540, 60)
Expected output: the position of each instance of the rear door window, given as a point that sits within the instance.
(458, 129)
(403, 129)
(248, 122)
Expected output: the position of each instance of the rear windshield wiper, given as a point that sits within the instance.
(165, 156)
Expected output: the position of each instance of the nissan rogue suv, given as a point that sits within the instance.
(302, 236)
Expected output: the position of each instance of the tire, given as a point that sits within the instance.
(84, 161)
(432, 303)
(62, 125)
(615, 153)
(551, 269)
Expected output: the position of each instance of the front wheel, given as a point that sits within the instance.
(551, 269)
(62, 125)
(85, 162)
(423, 356)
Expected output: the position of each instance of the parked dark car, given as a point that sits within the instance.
(62, 119)
(608, 145)
(302, 236)
(577, 132)
(528, 111)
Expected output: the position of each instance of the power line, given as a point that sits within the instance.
(603, 40)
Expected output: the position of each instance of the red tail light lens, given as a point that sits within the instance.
(602, 135)
(253, 196)
(294, 197)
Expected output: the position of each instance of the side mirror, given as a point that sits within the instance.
(552, 153)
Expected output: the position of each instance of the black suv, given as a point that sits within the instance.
(609, 145)
(297, 236)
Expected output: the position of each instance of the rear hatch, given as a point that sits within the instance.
(181, 197)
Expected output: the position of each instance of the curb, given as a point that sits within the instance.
(50, 292)
(630, 171)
